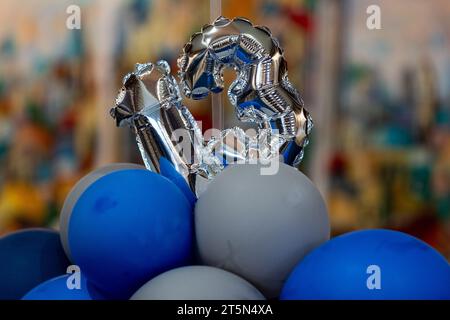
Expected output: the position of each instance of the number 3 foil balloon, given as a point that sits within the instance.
(150, 102)
(261, 93)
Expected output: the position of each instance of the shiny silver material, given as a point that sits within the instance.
(261, 93)
(150, 103)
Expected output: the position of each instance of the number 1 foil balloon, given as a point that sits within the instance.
(261, 93)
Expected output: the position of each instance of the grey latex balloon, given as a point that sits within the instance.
(260, 226)
(78, 190)
(197, 283)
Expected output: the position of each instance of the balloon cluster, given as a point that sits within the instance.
(134, 234)
(258, 231)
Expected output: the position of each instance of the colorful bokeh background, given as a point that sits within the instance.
(380, 100)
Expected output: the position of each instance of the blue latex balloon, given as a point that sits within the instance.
(127, 227)
(370, 264)
(28, 258)
(57, 289)
(168, 171)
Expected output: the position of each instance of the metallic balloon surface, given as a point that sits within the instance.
(261, 93)
(260, 226)
(150, 102)
(197, 283)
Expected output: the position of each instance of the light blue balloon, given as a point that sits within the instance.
(58, 289)
(370, 264)
(127, 227)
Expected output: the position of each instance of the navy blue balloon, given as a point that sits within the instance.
(57, 289)
(408, 269)
(28, 258)
(127, 227)
(167, 170)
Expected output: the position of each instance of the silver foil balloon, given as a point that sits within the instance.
(150, 103)
(261, 93)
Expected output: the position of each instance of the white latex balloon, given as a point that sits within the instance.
(197, 283)
(260, 226)
(78, 190)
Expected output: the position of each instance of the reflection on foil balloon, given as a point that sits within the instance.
(150, 102)
(261, 93)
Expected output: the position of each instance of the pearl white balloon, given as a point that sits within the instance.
(197, 283)
(260, 226)
(78, 190)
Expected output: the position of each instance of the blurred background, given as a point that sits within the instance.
(380, 100)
